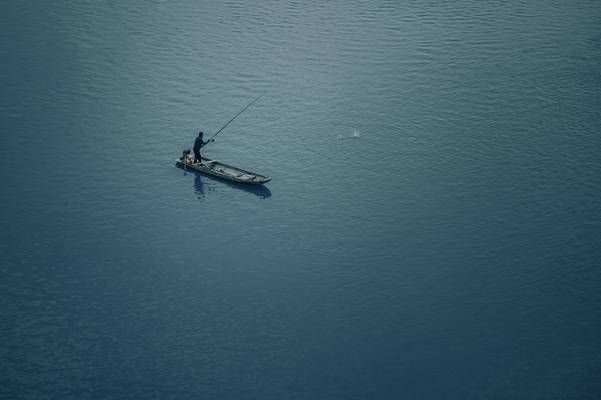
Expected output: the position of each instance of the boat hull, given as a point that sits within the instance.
(223, 171)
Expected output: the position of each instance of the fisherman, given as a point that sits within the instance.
(198, 144)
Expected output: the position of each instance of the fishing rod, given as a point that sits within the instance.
(236, 116)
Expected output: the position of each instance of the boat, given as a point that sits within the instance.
(221, 170)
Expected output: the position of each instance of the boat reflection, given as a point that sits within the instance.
(198, 186)
(201, 188)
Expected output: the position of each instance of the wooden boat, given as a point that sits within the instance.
(221, 170)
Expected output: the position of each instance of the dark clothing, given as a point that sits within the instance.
(198, 144)
(196, 155)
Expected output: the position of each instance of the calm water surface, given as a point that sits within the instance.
(431, 230)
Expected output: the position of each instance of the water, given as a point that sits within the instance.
(448, 249)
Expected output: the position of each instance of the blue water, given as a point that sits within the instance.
(431, 230)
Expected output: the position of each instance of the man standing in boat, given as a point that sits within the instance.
(198, 144)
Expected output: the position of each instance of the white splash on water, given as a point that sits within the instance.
(355, 135)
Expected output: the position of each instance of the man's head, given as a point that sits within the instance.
(200, 133)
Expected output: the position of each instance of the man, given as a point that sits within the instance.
(198, 144)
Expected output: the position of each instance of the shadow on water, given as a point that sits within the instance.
(200, 187)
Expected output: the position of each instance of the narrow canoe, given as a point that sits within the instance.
(223, 171)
